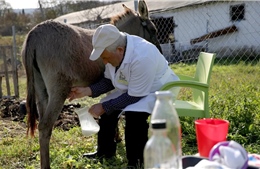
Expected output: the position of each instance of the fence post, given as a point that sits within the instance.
(6, 72)
(14, 65)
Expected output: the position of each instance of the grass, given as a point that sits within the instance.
(234, 95)
(7, 40)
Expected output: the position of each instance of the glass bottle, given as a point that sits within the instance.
(158, 151)
(164, 109)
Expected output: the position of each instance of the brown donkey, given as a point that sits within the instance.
(56, 58)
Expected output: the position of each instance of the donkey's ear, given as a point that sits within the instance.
(143, 10)
(125, 7)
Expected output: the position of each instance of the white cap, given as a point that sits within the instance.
(104, 36)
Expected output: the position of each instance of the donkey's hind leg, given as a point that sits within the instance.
(42, 101)
(42, 95)
(57, 96)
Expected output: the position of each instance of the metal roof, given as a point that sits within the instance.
(109, 11)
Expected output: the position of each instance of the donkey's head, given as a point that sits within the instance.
(137, 23)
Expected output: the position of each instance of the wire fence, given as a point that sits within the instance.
(231, 29)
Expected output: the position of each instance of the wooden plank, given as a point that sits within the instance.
(214, 34)
(9, 72)
(1, 91)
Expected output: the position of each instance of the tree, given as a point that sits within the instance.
(9, 18)
(4, 7)
(4, 10)
(49, 9)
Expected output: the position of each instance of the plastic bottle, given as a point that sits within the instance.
(164, 109)
(158, 152)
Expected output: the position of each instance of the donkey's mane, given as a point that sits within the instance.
(120, 19)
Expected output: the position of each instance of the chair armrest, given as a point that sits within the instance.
(184, 77)
(185, 83)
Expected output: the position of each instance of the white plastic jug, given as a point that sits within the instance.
(88, 124)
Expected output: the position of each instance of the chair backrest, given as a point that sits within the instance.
(202, 75)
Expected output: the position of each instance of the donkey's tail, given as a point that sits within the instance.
(28, 54)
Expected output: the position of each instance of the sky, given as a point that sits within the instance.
(23, 4)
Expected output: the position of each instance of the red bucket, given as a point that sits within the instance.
(209, 132)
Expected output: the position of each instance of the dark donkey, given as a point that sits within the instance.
(56, 58)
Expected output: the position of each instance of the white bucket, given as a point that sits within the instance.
(88, 124)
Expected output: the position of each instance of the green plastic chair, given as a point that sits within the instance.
(199, 104)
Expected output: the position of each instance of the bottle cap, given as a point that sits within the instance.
(158, 124)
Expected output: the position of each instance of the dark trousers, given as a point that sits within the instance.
(136, 135)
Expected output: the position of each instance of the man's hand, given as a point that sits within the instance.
(96, 110)
(79, 92)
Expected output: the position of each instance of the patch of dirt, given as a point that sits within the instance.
(14, 110)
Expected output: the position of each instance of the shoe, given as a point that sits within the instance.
(98, 155)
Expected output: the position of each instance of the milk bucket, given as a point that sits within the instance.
(88, 124)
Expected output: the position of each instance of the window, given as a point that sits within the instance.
(237, 12)
(165, 27)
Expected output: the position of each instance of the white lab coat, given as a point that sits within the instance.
(143, 71)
